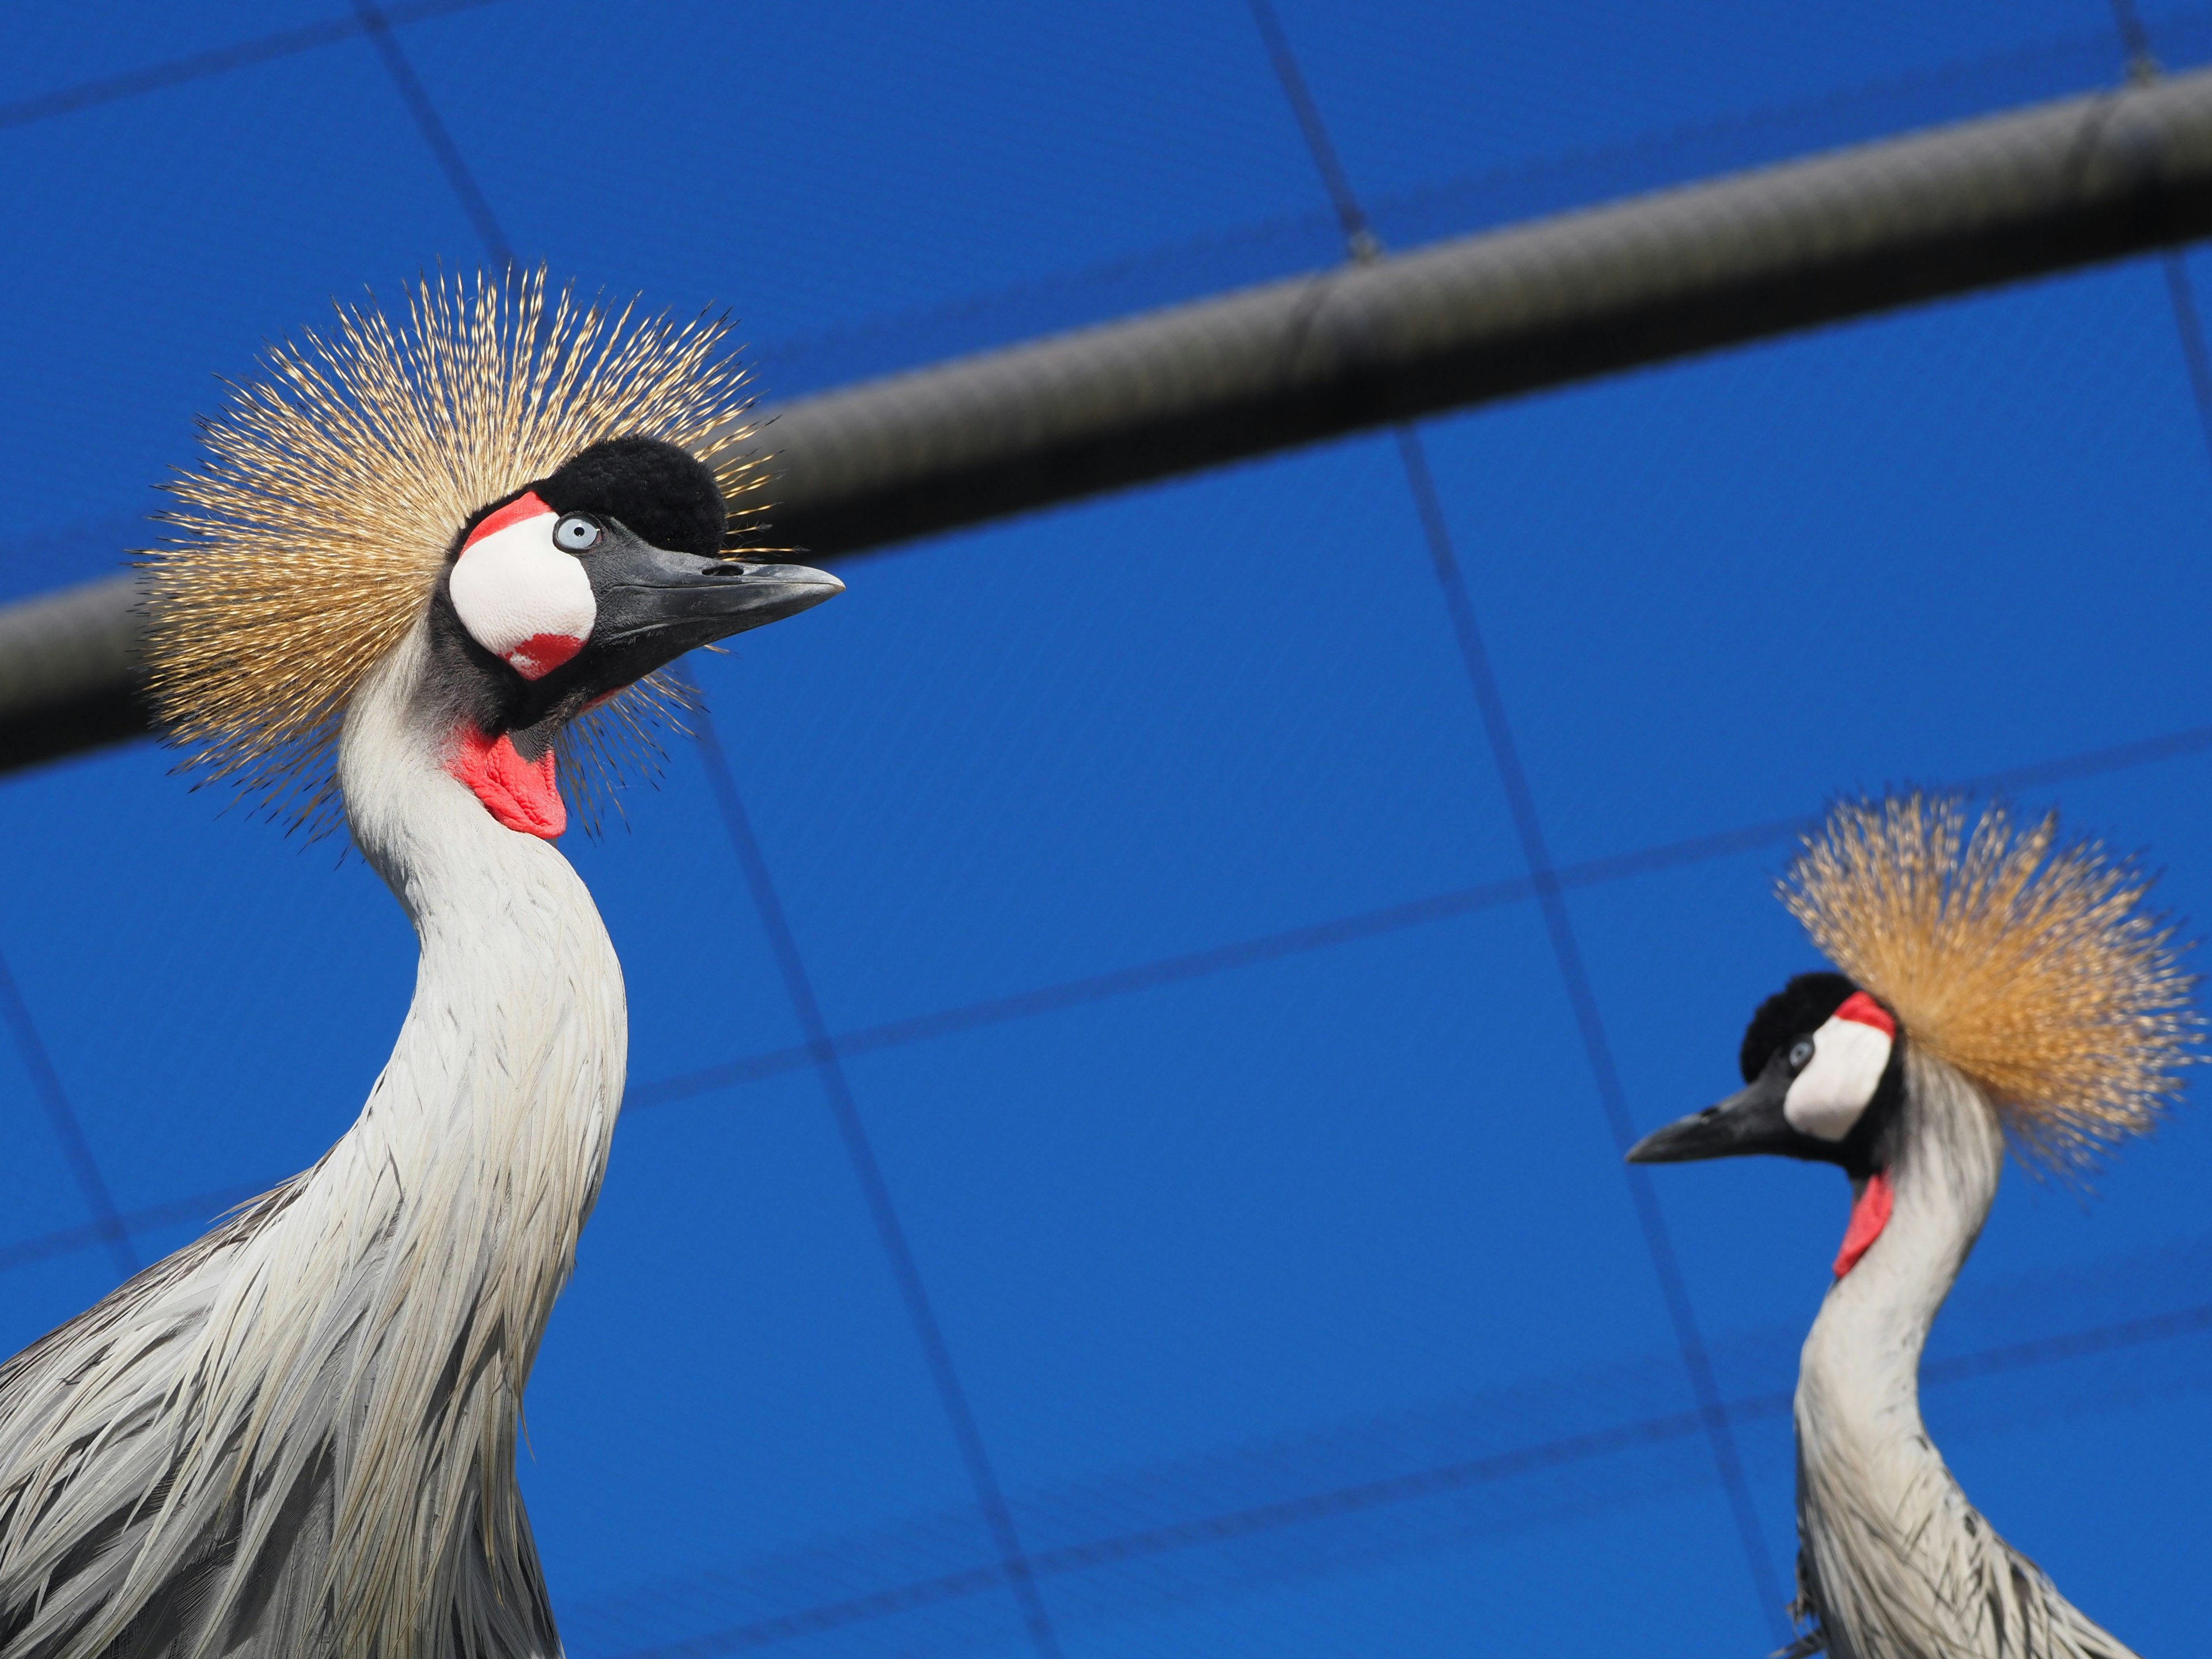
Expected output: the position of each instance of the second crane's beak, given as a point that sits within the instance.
(1751, 1121)
(653, 605)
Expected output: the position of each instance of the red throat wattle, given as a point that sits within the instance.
(523, 795)
(1869, 1215)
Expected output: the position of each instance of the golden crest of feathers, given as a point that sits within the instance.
(2030, 967)
(311, 540)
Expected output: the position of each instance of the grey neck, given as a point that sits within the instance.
(1862, 1362)
(469, 1172)
(446, 858)
(1875, 1502)
(500, 1094)
(1895, 1563)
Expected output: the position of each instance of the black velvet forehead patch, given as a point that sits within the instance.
(1801, 1005)
(654, 489)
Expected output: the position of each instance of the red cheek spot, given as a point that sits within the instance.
(1869, 1215)
(524, 796)
(541, 654)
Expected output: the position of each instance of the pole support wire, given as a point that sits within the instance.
(107, 1222)
(2143, 70)
(1362, 246)
(837, 1089)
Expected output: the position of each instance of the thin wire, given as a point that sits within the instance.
(378, 27)
(1543, 882)
(1369, 923)
(1436, 1480)
(2134, 39)
(822, 1049)
(1200, 964)
(1250, 250)
(65, 1241)
(2143, 68)
(107, 1221)
(1360, 239)
(2182, 296)
(1566, 949)
(1361, 245)
(220, 60)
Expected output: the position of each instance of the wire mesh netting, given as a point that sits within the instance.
(1226, 928)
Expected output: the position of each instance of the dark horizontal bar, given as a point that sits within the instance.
(69, 673)
(1465, 322)
(1492, 316)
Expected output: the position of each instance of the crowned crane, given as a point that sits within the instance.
(1995, 985)
(430, 564)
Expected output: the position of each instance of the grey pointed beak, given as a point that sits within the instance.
(654, 605)
(675, 594)
(755, 594)
(1745, 1122)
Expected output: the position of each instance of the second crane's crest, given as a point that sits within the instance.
(2032, 967)
(312, 539)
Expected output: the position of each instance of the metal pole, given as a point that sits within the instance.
(1465, 322)
(68, 676)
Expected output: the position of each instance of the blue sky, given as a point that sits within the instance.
(1149, 858)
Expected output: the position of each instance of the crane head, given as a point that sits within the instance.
(518, 497)
(573, 588)
(2028, 968)
(1823, 1068)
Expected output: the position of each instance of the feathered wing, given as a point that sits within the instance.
(1949, 1587)
(99, 1423)
(146, 1514)
(295, 1438)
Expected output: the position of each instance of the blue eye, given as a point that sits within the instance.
(576, 534)
(1800, 1054)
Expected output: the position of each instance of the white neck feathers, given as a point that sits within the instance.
(469, 1174)
(1895, 1563)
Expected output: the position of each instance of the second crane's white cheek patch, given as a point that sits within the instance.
(522, 598)
(1850, 1053)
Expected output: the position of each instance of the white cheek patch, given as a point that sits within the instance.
(522, 598)
(1850, 1053)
